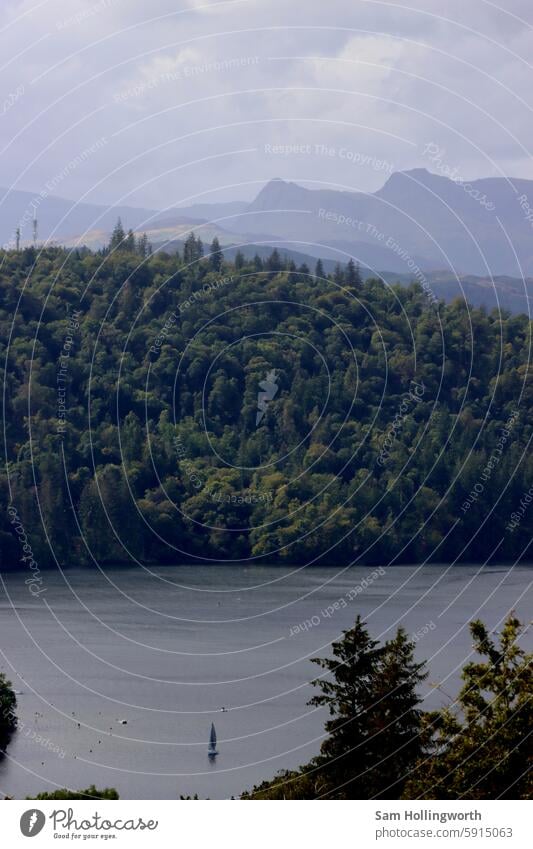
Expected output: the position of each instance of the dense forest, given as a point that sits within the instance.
(161, 407)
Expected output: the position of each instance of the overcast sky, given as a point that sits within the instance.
(171, 102)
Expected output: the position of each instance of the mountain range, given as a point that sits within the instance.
(418, 224)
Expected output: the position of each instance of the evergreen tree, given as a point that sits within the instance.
(142, 245)
(319, 270)
(129, 242)
(216, 257)
(117, 237)
(353, 274)
(338, 274)
(373, 737)
(189, 249)
(239, 260)
(395, 720)
(273, 262)
(371, 692)
(347, 693)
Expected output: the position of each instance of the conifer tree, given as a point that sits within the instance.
(338, 274)
(353, 274)
(216, 257)
(142, 245)
(129, 242)
(117, 237)
(190, 250)
(373, 736)
(273, 262)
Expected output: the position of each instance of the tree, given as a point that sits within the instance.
(338, 274)
(371, 694)
(373, 737)
(273, 262)
(353, 274)
(142, 245)
(91, 792)
(319, 270)
(480, 748)
(117, 237)
(193, 249)
(129, 242)
(216, 257)
(397, 717)
(239, 260)
(131, 438)
(8, 718)
(346, 692)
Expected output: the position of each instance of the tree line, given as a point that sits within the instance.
(388, 413)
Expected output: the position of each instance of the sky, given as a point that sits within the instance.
(172, 102)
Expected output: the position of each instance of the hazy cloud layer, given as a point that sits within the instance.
(192, 101)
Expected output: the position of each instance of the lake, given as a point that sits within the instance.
(122, 671)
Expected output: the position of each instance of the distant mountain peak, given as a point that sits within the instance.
(278, 193)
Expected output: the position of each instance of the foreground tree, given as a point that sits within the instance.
(374, 731)
(8, 718)
(480, 747)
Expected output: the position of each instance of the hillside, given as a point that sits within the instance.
(167, 410)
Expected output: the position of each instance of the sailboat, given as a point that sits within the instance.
(212, 748)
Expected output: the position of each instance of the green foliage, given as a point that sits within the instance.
(341, 482)
(480, 747)
(8, 717)
(91, 792)
(216, 257)
(373, 734)
(379, 743)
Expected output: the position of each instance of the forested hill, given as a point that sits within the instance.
(169, 407)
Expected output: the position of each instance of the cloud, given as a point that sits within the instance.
(190, 98)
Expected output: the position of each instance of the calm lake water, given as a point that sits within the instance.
(165, 650)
